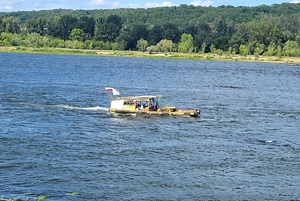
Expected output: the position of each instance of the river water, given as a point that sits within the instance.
(57, 139)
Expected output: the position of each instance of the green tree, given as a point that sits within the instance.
(186, 44)
(259, 49)
(259, 31)
(223, 26)
(142, 45)
(170, 32)
(165, 45)
(131, 34)
(155, 34)
(75, 44)
(243, 50)
(298, 38)
(271, 50)
(230, 51)
(279, 51)
(291, 48)
(202, 34)
(16, 40)
(152, 48)
(221, 42)
(203, 47)
(240, 37)
(39, 25)
(167, 31)
(77, 34)
(87, 24)
(107, 29)
(2, 25)
(34, 40)
(62, 26)
(11, 25)
(287, 35)
(220, 27)
(5, 39)
(212, 48)
(126, 38)
(275, 36)
(57, 42)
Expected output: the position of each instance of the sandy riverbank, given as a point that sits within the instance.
(175, 55)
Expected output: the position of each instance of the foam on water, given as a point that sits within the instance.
(65, 106)
(69, 107)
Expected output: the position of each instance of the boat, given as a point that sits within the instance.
(145, 105)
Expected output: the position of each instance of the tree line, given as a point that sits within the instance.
(262, 30)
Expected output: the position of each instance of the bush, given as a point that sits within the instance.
(56, 42)
(291, 49)
(5, 39)
(16, 40)
(243, 50)
(74, 44)
(151, 49)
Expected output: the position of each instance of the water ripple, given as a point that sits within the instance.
(56, 136)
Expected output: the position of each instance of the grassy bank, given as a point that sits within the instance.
(173, 55)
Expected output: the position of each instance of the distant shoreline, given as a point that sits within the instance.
(173, 55)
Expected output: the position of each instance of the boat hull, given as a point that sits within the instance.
(192, 113)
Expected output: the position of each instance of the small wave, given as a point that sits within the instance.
(261, 141)
(292, 114)
(231, 87)
(265, 141)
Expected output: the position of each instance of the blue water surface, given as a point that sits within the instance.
(57, 139)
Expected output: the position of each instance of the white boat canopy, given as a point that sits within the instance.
(138, 98)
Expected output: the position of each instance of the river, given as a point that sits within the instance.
(57, 139)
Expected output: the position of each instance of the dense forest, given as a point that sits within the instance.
(262, 30)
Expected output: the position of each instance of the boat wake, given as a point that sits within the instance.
(69, 107)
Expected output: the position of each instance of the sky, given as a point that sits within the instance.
(29, 5)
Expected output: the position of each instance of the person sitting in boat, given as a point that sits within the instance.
(138, 106)
(152, 105)
(145, 104)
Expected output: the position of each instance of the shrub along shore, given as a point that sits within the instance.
(172, 55)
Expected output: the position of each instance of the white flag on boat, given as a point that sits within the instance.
(114, 91)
